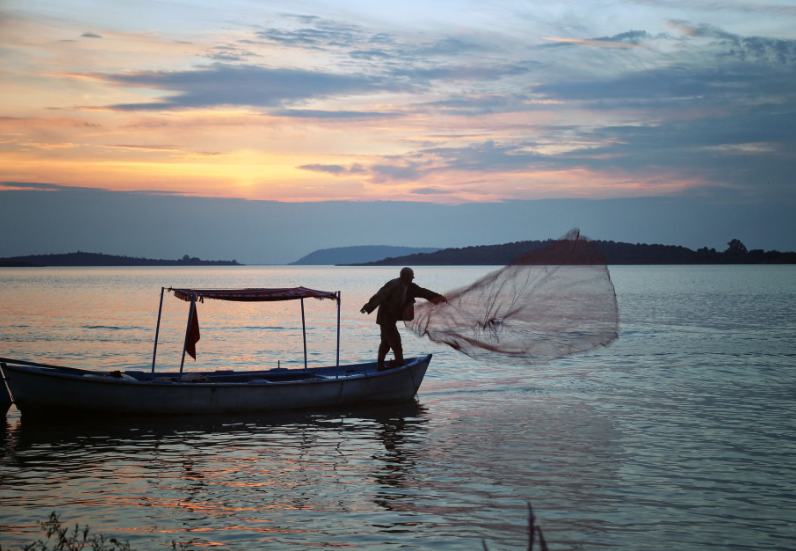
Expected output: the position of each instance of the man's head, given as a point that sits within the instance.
(407, 275)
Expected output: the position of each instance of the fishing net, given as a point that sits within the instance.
(546, 304)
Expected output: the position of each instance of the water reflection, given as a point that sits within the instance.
(452, 471)
(395, 463)
(210, 473)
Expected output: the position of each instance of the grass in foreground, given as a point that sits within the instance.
(78, 539)
(81, 539)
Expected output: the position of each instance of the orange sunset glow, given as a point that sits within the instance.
(356, 104)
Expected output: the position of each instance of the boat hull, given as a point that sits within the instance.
(5, 398)
(38, 390)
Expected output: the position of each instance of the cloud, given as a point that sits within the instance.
(146, 147)
(229, 53)
(751, 151)
(319, 33)
(253, 85)
(381, 173)
(597, 42)
(482, 103)
(485, 104)
(90, 35)
(488, 157)
(630, 37)
(317, 114)
(432, 191)
(51, 122)
(740, 150)
(250, 85)
(461, 72)
(50, 145)
(754, 7)
(627, 39)
(754, 126)
(32, 186)
(700, 30)
(784, 51)
(750, 47)
(448, 46)
(720, 85)
(336, 170)
(471, 102)
(36, 186)
(364, 45)
(370, 55)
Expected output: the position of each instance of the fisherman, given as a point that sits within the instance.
(395, 302)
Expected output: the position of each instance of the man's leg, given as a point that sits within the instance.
(384, 347)
(392, 337)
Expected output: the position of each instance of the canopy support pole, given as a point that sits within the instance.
(157, 329)
(187, 332)
(304, 332)
(337, 371)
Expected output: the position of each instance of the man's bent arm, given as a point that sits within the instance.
(377, 299)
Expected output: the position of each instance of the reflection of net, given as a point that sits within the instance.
(546, 304)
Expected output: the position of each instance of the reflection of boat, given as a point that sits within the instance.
(61, 445)
(44, 388)
(37, 436)
(41, 434)
(5, 398)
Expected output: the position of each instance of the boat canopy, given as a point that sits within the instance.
(253, 295)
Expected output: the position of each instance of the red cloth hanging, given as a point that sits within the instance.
(193, 334)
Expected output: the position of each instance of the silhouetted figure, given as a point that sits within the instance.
(395, 302)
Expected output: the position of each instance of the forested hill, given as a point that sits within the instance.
(358, 255)
(98, 259)
(615, 253)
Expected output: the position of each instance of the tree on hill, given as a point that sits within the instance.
(736, 248)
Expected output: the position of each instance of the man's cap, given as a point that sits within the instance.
(407, 271)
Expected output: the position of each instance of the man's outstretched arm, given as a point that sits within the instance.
(427, 294)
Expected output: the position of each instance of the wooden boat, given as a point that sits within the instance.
(41, 388)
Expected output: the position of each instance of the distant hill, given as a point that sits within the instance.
(98, 259)
(358, 255)
(615, 253)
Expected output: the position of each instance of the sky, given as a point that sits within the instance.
(450, 103)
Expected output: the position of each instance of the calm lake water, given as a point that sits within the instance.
(681, 435)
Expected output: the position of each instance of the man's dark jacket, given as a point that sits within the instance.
(394, 305)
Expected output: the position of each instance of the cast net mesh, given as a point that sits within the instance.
(546, 304)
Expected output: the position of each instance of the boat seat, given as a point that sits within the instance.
(120, 376)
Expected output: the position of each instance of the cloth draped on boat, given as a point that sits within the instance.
(253, 295)
(193, 334)
(546, 304)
